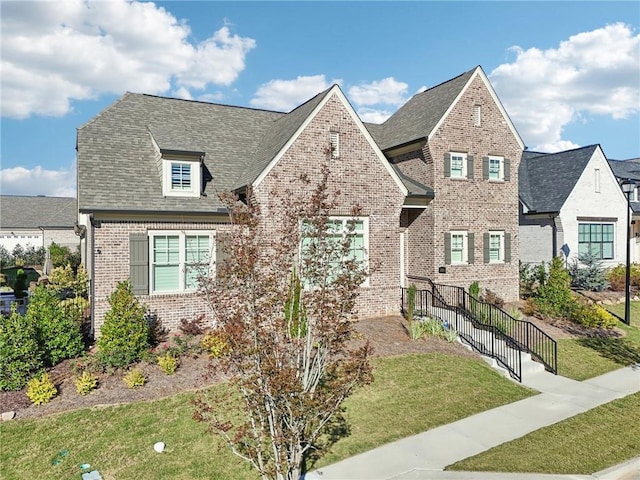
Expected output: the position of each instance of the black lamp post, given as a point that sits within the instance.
(628, 186)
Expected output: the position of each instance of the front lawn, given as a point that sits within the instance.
(411, 393)
(588, 357)
(584, 444)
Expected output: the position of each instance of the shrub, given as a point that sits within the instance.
(21, 284)
(616, 276)
(125, 334)
(531, 277)
(59, 334)
(41, 389)
(450, 335)
(85, 383)
(590, 276)
(168, 363)
(192, 327)
(491, 297)
(416, 329)
(214, 345)
(411, 302)
(554, 297)
(433, 326)
(593, 316)
(474, 290)
(20, 355)
(135, 378)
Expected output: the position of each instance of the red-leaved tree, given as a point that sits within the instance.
(284, 300)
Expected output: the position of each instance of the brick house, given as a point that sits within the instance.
(437, 184)
(571, 203)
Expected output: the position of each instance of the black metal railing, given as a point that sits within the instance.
(509, 336)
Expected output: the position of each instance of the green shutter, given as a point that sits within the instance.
(507, 248)
(447, 165)
(485, 168)
(139, 263)
(469, 166)
(447, 248)
(486, 241)
(222, 251)
(471, 245)
(507, 170)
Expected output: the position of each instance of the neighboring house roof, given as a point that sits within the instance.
(546, 180)
(35, 212)
(627, 169)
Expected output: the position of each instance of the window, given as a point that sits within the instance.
(334, 142)
(177, 259)
(494, 247)
(597, 239)
(458, 165)
(458, 246)
(337, 229)
(181, 177)
(495, 168)
(477, 116)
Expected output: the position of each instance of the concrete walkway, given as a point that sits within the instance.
(424, 456)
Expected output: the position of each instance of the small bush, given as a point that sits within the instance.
(516, 313)
(135, 378)
(554, 297)
(450, 335)
(214, 345)
(20, 354)
(411, 302)
(493, 298)
(125, 334)
(616, 276)
(168, 363)
(59, 334)
(593, 316)
(192, 327)
(41, 389)
(85, 383)
(416, 329)
(433, 326)
(587, 273)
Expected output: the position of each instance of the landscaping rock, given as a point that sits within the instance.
(6, 416)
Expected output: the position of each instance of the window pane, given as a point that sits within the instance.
(607, 250)
(165, 278)
(180, 176)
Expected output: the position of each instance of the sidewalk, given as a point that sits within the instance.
(424, 456)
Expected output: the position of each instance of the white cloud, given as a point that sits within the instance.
(387, 91)
(57, 52)
(39, 181)
(284, 95)
(591, 73)
(373, 115)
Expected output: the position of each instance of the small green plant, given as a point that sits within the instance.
(85, 383)
(125, 334)
(450, 335)
(214, 345)
(168, 363)
(516, 313)
(433, 326)
(474, 289)
(411, 302)
(416, 329)
(554, 297)
(587, 273)
(616, 276)
(135, 378)
(593, 316)
(41, 389)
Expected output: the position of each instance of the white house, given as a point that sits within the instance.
(571, 203)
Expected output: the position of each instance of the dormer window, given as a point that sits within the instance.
(181, 177)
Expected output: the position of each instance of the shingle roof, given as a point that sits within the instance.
(546, 180)
(117, 166)
(418, 117)
(33, 212)
(624, 169)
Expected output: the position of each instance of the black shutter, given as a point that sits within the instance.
(469, 166)
(486, 250)
(447, 165)
(507, 170)
(447, 248)
(139, 263)
(471, 245)
(507, 248)
(485, 168)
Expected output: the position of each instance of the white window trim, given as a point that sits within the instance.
(465, 247)
(464, 164)
(365, 241)
(501, 251)
(182, 234)
(501, 171)
(196, 178)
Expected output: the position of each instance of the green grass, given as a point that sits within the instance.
(634, 310)
(410, 394)
(582, 358)
(584, 444)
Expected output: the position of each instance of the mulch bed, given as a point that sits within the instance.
(387, 335)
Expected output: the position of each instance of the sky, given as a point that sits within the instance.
(567, 73)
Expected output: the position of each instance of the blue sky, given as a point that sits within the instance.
(568, 73)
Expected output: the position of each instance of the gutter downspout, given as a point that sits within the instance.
(91, 256)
